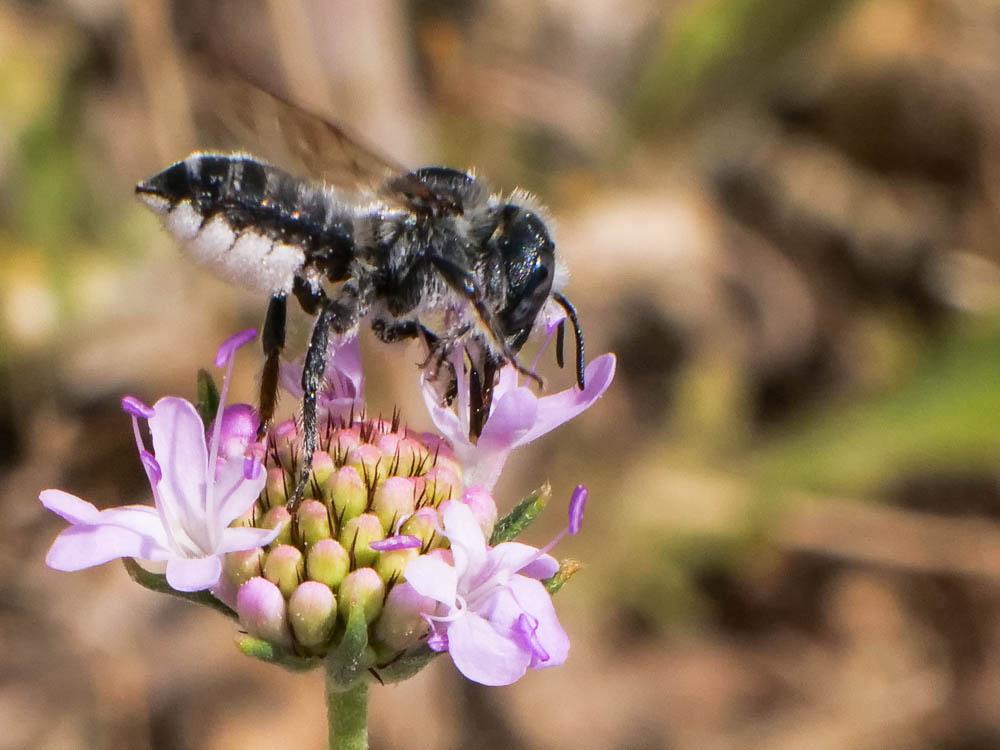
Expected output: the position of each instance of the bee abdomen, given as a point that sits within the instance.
(250, 223)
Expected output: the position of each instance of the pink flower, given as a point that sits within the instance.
(188, 529)
(517, 417)
(493, 615)
(343, 392)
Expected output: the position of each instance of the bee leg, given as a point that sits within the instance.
(390, 333)
(339, 316)
(465, 284)
(273, 340)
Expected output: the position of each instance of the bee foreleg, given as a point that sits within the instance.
(273, 340)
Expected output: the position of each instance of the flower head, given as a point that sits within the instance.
(517, 417)
(196, 497)
(492, 614)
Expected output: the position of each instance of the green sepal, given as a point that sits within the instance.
(567, 569)
(352, 657)
(510, 526)
(406, 665)
(208, 396)
(158, 583)
(268, 652)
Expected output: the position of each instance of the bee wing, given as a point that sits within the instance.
(245, 116)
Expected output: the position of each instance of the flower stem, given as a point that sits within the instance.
(347, 716)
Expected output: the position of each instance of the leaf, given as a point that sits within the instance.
(567, 569)
(208, 396)
(510, 526)
(268, 652)
(406, 665)
(158, 583)
(352, 658)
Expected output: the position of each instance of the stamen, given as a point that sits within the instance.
(527, 627)
(152, 466)
(230, 345)
(251, 467)
(135, 407)
(577, 504)
(398, 542)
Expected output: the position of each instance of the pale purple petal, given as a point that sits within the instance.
(484, 655)
(70, 507)
(398, 542)
(445, 420)
(179, 443)
(537, 602)
(468, 544)
(561, 407)
(84, 546)
(522, 558)
(434, 578)
(193, 574)
(234, 494)
(511, 418)
(242, 538)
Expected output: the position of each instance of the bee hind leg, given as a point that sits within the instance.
(338, 316)
(273, 341)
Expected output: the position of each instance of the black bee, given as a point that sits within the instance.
(428, 254)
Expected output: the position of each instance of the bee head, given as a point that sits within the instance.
(528, 257)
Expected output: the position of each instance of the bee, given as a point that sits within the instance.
(429, 253)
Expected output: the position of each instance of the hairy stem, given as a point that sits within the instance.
(347, 716)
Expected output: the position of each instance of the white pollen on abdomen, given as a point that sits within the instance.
(183, 222)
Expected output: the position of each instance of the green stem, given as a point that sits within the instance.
(347, 716)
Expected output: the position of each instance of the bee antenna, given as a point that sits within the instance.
(561, 344)
(577, 332)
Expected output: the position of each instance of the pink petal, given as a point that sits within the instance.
(434, 578)
(70, 507)
(514, 556)
(537, 602)
(561, 407)
(193, 574)
(242, 538)
(179, 443)
(468, 544)
(234, 493)
(484, 655)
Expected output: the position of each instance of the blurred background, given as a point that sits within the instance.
(783, 215)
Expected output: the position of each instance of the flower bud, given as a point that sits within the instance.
(394, 500)
(357, 534)
(328, 562)
(391, 565)
(240, 567)
(424, 525)
(277, 487)
(321, 471)
(275, 517)
(364, 587)
(401, 623)
(344, 441)
(346, 493)
(483, 508)
(413, 457)
(442, 484)
(284, 567)
(312, 610)
(314, 522)
(367, 459)
(262, 611)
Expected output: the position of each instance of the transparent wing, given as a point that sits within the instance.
(241, 115)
